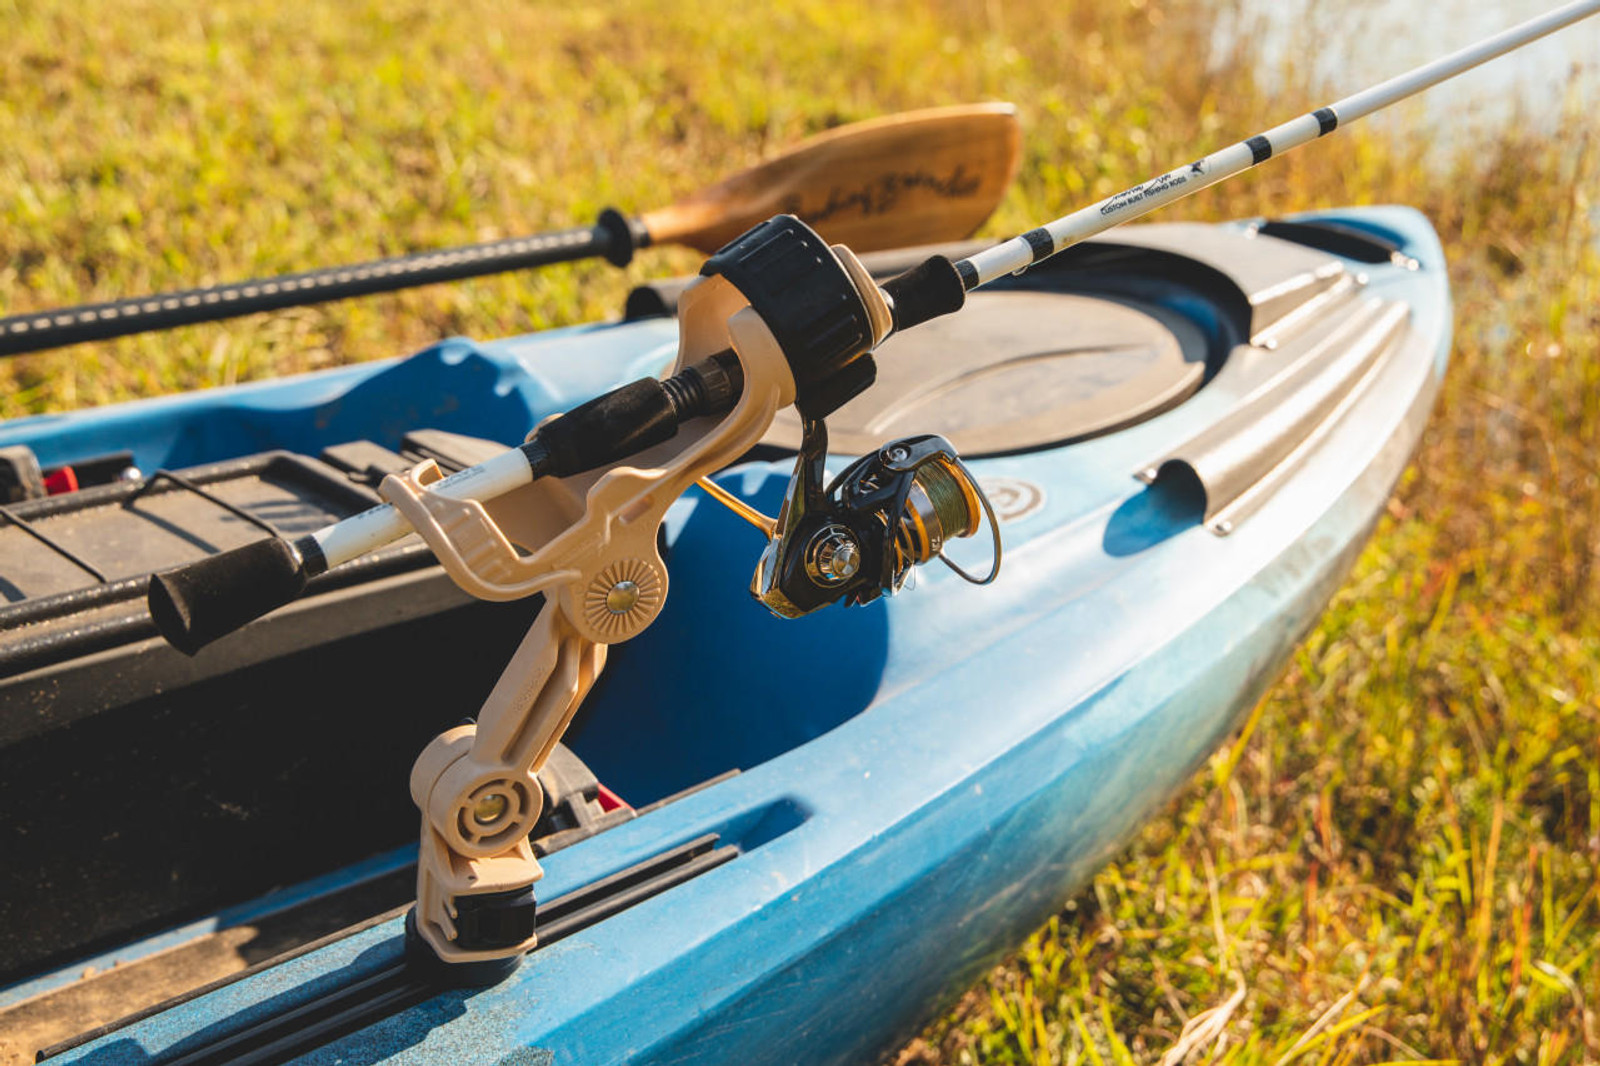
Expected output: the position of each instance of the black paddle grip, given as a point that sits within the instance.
(926, 291)
(196, 604)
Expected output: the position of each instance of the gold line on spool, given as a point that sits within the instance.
(942, 505)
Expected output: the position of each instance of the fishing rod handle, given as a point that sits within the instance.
(353, 537)
(611, 427)
(612, 236)
(195, 604)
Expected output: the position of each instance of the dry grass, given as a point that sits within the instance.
(1395, 860)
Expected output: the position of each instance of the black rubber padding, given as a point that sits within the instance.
(1327, 121)
(809, 301)
(1260, 149)
(633, 417)
(196, 604)
(928, 290)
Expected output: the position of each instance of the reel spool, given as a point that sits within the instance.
(925, 497)
(861, 537)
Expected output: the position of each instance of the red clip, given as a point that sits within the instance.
(61, 480)
(610, 801)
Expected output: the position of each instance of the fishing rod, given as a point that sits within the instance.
(920, 177)
(194, 605)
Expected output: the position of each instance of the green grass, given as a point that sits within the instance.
(1394, 860)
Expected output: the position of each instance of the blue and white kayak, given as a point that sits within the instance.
(774, 840)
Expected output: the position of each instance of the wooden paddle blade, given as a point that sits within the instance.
(920, 177)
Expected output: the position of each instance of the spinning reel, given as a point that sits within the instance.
(861, 536)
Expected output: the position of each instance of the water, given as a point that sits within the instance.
(1347, 45)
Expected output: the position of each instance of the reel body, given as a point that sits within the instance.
(860, 537)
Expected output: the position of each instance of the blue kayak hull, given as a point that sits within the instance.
(925, 780)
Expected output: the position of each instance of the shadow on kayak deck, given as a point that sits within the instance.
(1162, 510)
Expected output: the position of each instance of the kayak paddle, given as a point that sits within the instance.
(921, 177)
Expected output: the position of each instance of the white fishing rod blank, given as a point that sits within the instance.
(1054, 237)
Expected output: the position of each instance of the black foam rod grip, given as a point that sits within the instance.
(928, 290)
(622, 423)
(196, 604)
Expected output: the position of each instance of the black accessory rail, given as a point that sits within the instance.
(403, 983)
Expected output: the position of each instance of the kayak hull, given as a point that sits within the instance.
(925, 780)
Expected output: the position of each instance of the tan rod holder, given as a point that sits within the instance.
(588, 543)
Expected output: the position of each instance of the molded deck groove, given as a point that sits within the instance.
(1369, 357)
(1243, 451)
(1324, 300)
(1295, 298)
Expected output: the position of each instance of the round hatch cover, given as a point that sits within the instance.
(1019, 370)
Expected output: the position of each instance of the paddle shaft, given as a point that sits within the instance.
(1053, 237)
(918, 177)
(613, 237)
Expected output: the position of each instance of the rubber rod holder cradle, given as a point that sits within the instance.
(812, 305)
